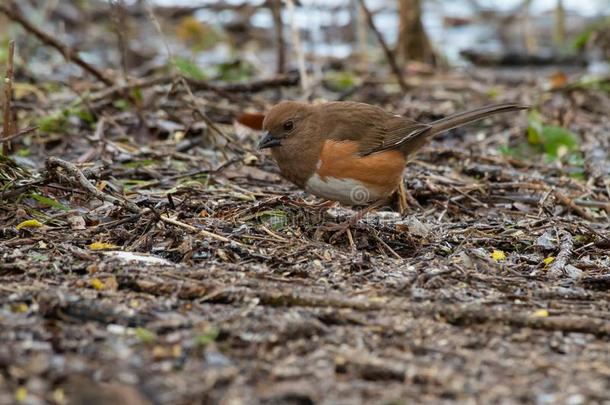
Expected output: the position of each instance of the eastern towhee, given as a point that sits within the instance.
(352, 152)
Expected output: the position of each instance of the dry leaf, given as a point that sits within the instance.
(498, 255)
(30, 223)
(102, 246)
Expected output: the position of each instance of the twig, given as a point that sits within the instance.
(197, 230)
(118, 8)
(561, 198)
(566, 246)
(388, 53)
(11, 11)
(155, 21)
(222, 90)
(120, 25)
(8, 95)
(296, 43)
(252, 86)
(52, 163)
(203, 115)
(386, 246)
(19, 133)
(565, 200)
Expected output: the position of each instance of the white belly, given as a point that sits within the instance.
(346, 191)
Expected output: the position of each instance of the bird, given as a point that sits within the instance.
(352, 152)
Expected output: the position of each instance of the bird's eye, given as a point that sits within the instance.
(288, 125)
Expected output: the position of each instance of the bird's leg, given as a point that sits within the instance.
(402, 199)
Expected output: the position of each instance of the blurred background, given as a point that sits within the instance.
(238, 39)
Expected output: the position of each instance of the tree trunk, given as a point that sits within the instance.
(280, 46)
(413, 42)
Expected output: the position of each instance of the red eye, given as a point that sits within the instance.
(288, 125)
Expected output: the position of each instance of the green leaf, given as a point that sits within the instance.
(189, 69)
(340, 81)
(582, 39)
(507, 151)
(54, 123)
(24, 152)
(121, 104)
(235, 71)
(554, 141)
(84, 115)
(534, 128)
(558, 141)
(276, 219)
(137, 95)
(140, 163)
(207, 337)
(47, 201)
(145, 335)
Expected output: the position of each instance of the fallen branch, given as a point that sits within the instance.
(71, 307)
(223, 90)
(53, 163)
(78, 177)
(568, 202)
(557, 267)
(253, 86)
(12, 11)
(601, 282)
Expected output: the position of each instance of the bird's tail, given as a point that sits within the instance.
(460, 119)
(414, 142)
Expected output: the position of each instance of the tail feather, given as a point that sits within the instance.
(460, 119)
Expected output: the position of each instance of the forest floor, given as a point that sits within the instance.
(150, 254)
(215, 282)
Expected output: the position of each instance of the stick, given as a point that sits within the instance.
(52, 163)
(196, 230)
(223, 90)
(12, 12)
(203, 115)
(388, 53)
(566, 246)
(8, 95)
(19, 133)
(566, 201)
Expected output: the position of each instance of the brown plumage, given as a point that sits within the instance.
(352, 152)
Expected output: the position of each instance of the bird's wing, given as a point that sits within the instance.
(373, 128)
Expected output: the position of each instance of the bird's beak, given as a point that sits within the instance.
(269, 141)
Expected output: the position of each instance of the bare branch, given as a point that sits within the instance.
(11, 11)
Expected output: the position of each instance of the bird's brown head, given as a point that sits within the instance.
(284, 121)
